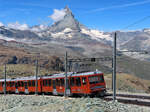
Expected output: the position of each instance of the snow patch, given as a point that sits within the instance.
(18, 26)
(39, 28)
(66, 30)
(64, 34)
(6, 38)
(146, 30)
(97, 35)
(57, 34)
(1, 24)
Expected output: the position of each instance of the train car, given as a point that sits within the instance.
(54, 84)
(89, 83)
(10, 88)
(1, 85)
(27, 85)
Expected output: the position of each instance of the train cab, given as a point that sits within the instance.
(88, 83)
(97, 84)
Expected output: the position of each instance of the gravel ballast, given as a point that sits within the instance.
(41, 103)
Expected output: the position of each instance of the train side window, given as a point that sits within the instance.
(84, 80)
(49, 82)
(57, 82)
(33, 83)
(22, 84)
(62, 82)
(43, 82)
(29, 83)
(78, 81)
(13, 84)
(72, 81)
(10, 84)
(46, 82)
(18, 84)
(101, 78)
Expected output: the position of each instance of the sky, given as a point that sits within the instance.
(106, 15)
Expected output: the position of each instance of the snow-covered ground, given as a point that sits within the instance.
(32, 103)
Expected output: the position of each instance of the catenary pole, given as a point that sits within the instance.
(5, 79)
(114, 68)
(112, 73)
(65, 92)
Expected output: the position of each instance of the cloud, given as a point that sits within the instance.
(58, 15)
(18, 26)
(120, 6)
(1, 24)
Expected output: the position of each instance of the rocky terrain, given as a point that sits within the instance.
(32, 103)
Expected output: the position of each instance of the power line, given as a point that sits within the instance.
(136, 22)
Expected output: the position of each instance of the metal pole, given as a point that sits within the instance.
(112, 76)
(114, 68)
(36, 75)
(5, 80)
(65, 93)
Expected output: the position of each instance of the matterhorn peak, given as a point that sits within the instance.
(67, 22)
(67, 9)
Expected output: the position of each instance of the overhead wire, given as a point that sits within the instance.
(136, 22)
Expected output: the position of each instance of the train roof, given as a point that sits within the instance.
(61, 75)
(2, 80)
(69, 74)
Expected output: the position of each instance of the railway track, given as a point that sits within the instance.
(142, 100)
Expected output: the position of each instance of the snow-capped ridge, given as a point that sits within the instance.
(39, 28)
(6, 38)
(96, 34)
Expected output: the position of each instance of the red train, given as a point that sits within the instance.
(88, 83)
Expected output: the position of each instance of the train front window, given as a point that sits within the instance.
(93, 79)
(96, 79)
(101, 78)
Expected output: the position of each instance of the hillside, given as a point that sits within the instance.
(49, 44)
(128, 83)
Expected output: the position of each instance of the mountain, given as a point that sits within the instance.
(68, 34)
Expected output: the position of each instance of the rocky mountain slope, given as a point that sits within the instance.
(70, 35)
(69, 32)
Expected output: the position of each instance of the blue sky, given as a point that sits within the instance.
(107, 15)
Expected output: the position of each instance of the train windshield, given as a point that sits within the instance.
(96, 79)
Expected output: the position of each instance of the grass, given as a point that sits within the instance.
(21, 70)
(128, 83)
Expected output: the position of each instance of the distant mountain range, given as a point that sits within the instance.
(69, 34)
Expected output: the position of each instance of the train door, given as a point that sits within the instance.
(26, 87)
(16, 86)
(78, 88)
(54, 87)
(84, 84)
